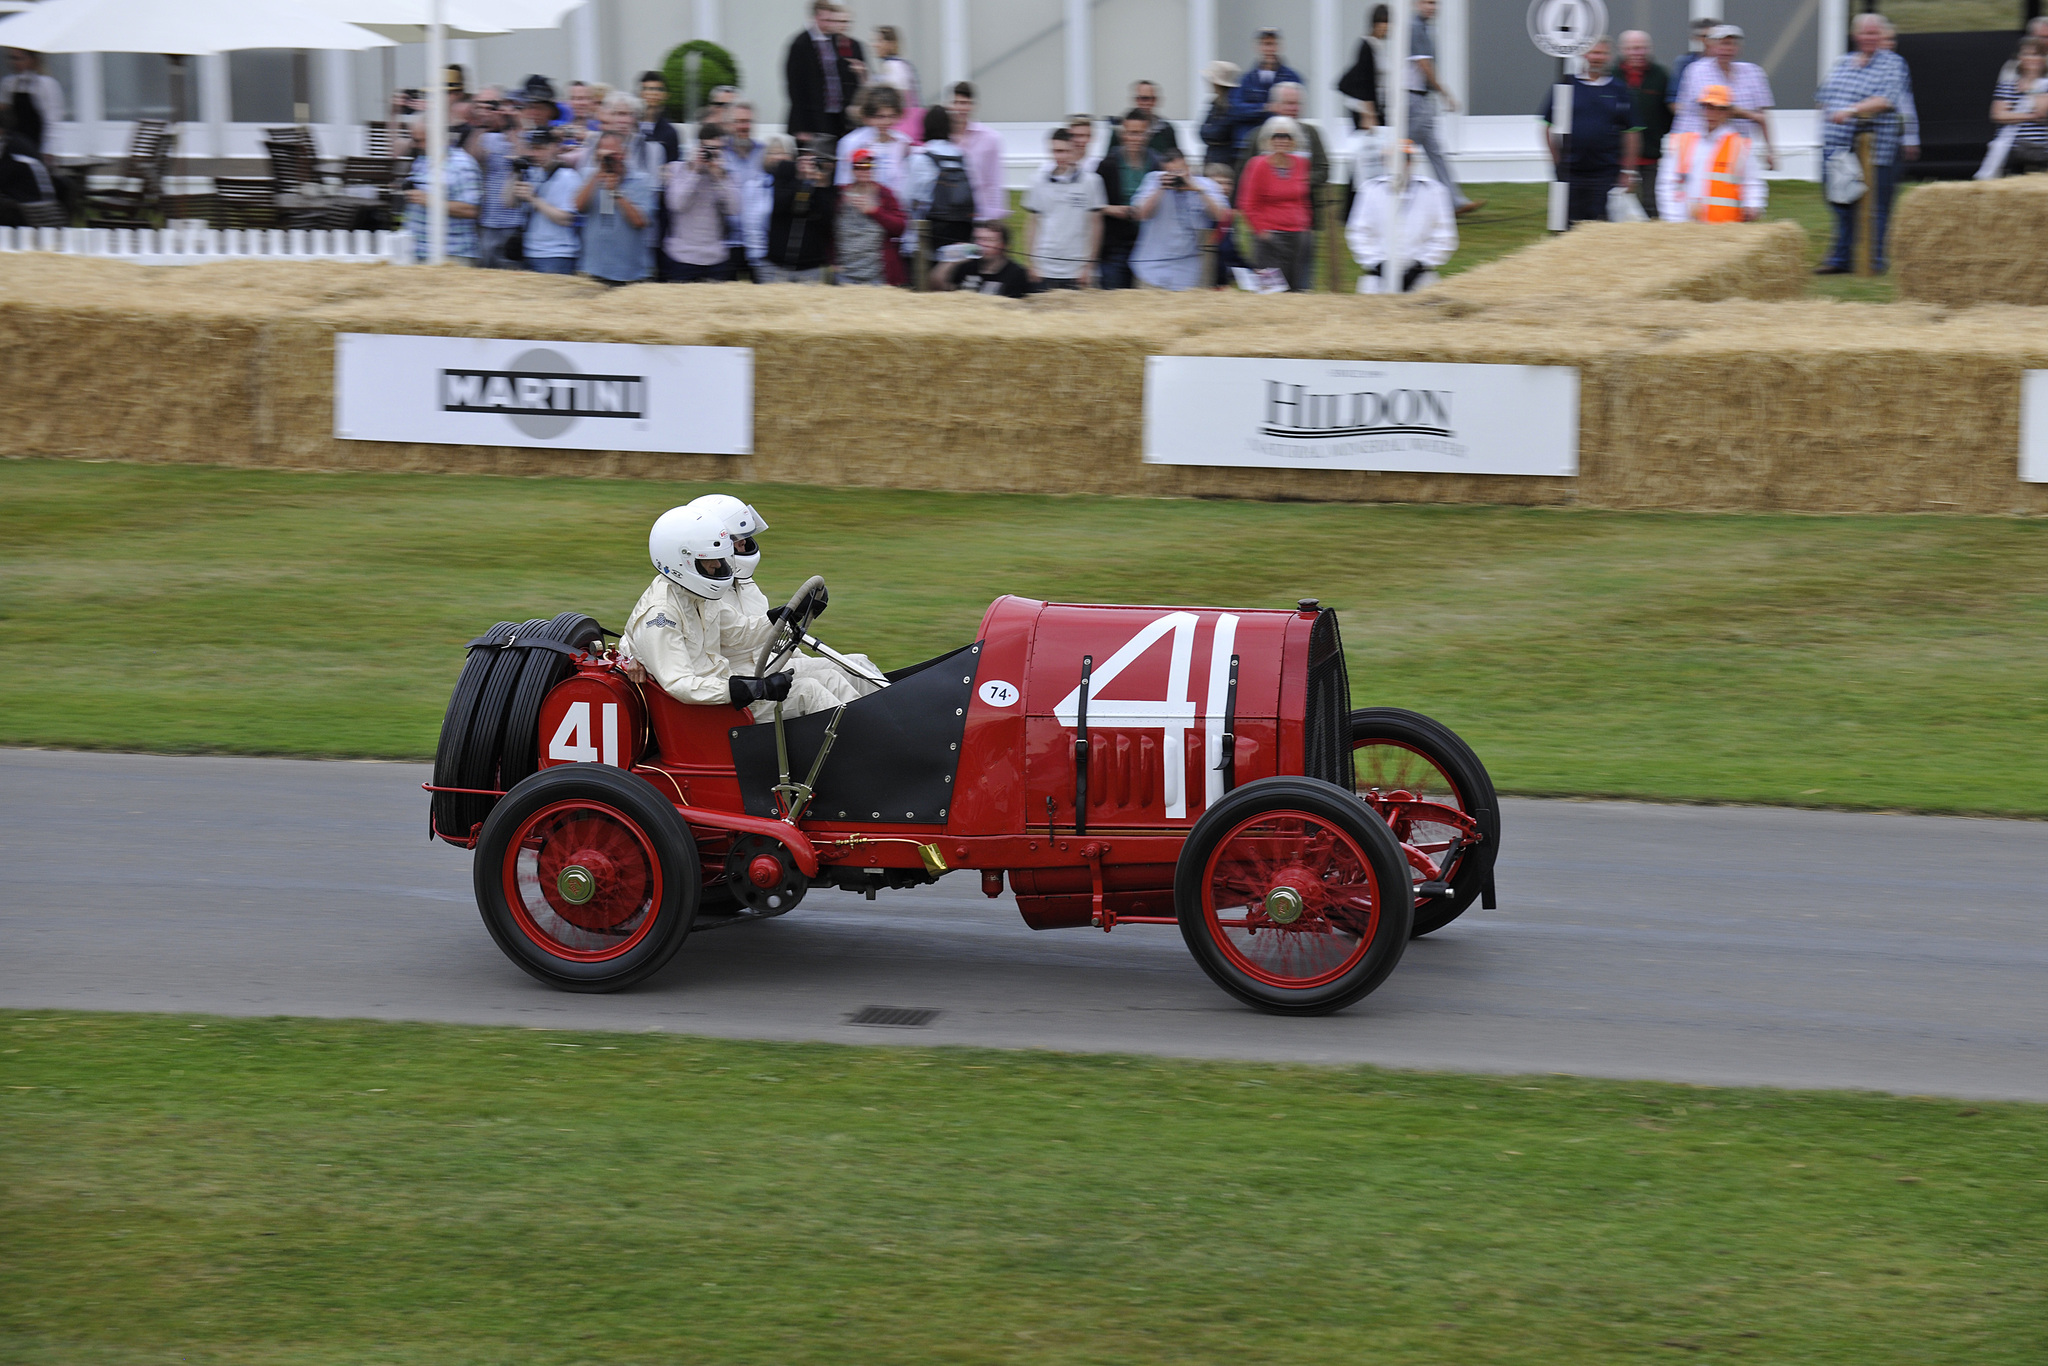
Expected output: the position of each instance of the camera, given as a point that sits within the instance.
(1175, 182)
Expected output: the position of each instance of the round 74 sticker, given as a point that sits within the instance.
(997, 693)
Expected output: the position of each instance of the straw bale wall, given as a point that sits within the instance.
(1973, 242)
(1733, 405)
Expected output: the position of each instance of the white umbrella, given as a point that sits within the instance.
(179, 29)
(406, 21)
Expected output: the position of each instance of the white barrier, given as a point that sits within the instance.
(185, 245)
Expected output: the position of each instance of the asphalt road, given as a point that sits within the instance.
(1705, 944)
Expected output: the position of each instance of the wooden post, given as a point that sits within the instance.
(921, 260)
(1332, 237)
(1866, 207)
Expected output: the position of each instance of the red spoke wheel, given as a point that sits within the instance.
(1293, 896)
(587, 877)
(1403, 751)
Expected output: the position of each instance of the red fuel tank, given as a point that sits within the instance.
(594, 717)
(1164, 685)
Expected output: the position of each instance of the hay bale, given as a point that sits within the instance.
(1850, 408)
(1973, 241)
(1624, 261)
(1810, 405)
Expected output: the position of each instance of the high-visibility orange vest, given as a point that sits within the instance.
(1723, 203)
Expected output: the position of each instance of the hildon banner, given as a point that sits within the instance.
(1396, 416)
(608, 396)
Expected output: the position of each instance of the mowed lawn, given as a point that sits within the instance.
(179, 1188)
(1831, 661)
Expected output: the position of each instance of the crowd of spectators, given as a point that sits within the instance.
(869, 185)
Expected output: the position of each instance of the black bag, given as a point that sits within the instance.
(953, 195)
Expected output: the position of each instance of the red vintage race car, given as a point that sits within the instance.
(1115, 765)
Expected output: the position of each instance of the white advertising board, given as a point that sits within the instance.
(1397, 416)
(488, 391)
(2034, 427)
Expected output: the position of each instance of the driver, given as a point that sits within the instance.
(683, 633)
(749, 605)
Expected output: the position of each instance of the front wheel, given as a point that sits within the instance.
(586, 877)
(1403, 764)
(1293, 896)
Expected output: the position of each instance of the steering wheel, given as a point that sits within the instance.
(789, 631)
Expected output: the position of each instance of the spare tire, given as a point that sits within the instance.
(450, 816)
(520, 757)
(487, 725)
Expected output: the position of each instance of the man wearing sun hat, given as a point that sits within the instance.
(1748, 88)
(1711, 176)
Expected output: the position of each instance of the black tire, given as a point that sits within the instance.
(455, 815)
(1228, 961)
(621, 805)
(519, 758)
(487, 727)
(1470, 790)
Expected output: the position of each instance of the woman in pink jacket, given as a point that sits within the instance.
(1273, 195)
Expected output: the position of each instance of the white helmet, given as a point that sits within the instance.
(691, 549)
(742, 524)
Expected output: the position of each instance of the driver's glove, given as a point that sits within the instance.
(773, 688)
(775, 613)
(818, 601)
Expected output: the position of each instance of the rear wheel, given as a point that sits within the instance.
(1293, 897)
(586, 877)
(1395, 753)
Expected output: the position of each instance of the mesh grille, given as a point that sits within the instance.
(1326, 730)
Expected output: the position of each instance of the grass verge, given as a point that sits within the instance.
(311, 1192)
(1839, 661)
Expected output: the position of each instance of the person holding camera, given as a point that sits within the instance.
(701, 196)
(548, 193)
(616, 200)
(500, 216)
(465, 187)
(800, 226)
(1174, 210)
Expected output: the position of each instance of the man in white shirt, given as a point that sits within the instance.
(1063, 237)
(881, 110)
(1428, 226)
(1746, 83)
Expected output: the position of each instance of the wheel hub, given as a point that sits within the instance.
(579, 880)
(1283, 905)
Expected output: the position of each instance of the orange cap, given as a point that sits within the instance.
(1717, 95)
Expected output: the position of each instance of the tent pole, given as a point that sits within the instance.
(437, 135)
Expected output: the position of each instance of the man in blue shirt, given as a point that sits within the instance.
(465, 192)
(616, 200)
(1248, 101)
(1604, 140)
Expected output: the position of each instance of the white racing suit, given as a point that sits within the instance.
(750, 615)
(694, 648)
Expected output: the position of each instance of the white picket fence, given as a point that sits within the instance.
(185, 244)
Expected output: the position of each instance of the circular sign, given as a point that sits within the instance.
(1566, 28)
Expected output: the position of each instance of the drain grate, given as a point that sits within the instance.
(893, 1017)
